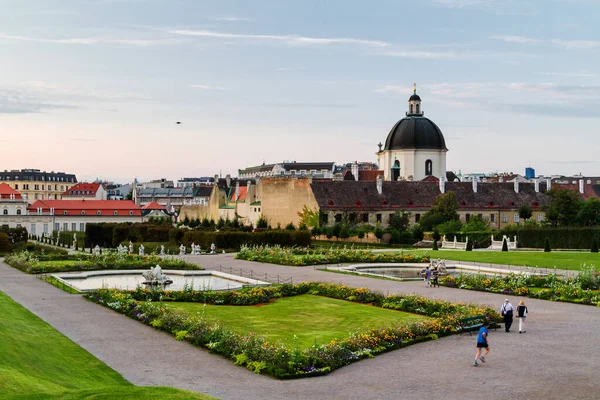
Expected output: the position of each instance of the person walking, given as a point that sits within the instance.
(435, 274)
(427, 277)
(507, 310)
(482, 343)
(522, 314)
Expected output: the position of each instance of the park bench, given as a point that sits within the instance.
(471, 324)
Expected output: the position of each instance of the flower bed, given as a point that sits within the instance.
(581, 289)
(33, 264)
(296, 256)
(276, 359)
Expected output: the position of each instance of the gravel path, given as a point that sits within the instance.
(556, 359)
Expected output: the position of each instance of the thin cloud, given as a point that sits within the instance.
(232, 19)
(92, 41)
(289, 68)
(577, 44)
(517, 39)
(310, 105)
(208, 87)
(290, 39)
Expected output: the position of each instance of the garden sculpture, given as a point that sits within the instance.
(154, 276)
(141, 250)
(97, 250)
(213, 249)
(182, 250)
(130, 247)
(162, 250)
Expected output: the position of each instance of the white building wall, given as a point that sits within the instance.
(412, 163)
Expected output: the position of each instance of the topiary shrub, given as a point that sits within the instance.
(595, 246)
(435, 245)
(547, 248)
(4, 242)
(504, 245)
(469, 246)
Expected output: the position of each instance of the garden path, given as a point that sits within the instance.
(555, 359)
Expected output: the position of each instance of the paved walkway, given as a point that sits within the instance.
(556, 359)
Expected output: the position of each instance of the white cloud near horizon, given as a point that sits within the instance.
(516, 39)
(231, 19)
(290, 39)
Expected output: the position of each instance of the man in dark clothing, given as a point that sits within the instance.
(507, 312)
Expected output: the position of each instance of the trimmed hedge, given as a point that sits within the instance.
(560, 238)
(235, 240)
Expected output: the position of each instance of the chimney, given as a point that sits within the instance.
(379, 184)
(581, 186)
(516, 185)
(237, 190)
(216, 178)
(228, 180)
(548, 184)
(536, 184)
(500, 179)
(355, 170)
(248, 185)
(442, 185)
(474, 185)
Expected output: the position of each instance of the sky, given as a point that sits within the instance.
(95, 87)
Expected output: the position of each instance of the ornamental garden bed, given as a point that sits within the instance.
(258, 333)
(581, 289)
(296, 256)
(49, 263)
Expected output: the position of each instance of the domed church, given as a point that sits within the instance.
(415, 147)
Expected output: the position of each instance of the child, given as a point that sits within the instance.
(482, 343)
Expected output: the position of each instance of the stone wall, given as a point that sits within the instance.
(283, 198)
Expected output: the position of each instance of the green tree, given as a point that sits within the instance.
(400, 220)
(564, 207)
(262, 222)
(595, 246)
(444, 210)
(290, 227)
(525, 212)
(547, 248)
(129, 195)
(309, 216)
(589, 212)
(476, 224)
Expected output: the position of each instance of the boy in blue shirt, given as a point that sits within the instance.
(482, 343)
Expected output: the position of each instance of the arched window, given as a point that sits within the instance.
(411, 108)
(418, 106)
(82, 212)
(116, 213)
(428, 168)
(18, 211)
(130, 212)
(396, 170)
(5, 212)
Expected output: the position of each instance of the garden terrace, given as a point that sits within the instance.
(32, 264)
(276, 359)
(294, 256)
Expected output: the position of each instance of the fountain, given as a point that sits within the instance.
(154, 277)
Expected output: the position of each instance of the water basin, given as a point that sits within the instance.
(131, 279)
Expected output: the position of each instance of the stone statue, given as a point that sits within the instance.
(154, 276)
(182, 250)
(162, 250)
(97, 250)
(141, 250)
(213, 249)
(130, 247)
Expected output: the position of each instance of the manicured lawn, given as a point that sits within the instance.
(310, 318)
(60, 263)
(560, 260)
(37, 362)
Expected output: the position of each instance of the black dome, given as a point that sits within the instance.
(414, 97)
(412, 133)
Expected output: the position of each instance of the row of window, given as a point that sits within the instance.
(37, 178)
(378, 217)
(5, 211)
(57, 226)
(37, 187)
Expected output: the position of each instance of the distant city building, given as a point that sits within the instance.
(205, 180)
(118, 192)
(289, 169)
(173, 197)
(83, 190)
(34, 184)
(529, 173)
(158, 184)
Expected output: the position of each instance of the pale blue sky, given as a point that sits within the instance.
(94, 87)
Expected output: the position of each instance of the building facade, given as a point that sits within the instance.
(34, 184)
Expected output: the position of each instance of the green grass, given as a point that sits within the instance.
(539, 259)
(310, 318)
(55, 282)
(37, 362)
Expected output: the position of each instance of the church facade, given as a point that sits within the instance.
(415, 147)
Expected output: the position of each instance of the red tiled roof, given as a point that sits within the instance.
(241, 195)
(154, 206)
(83, 189)
(369, 174)
(6, 191)
(90, 207)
